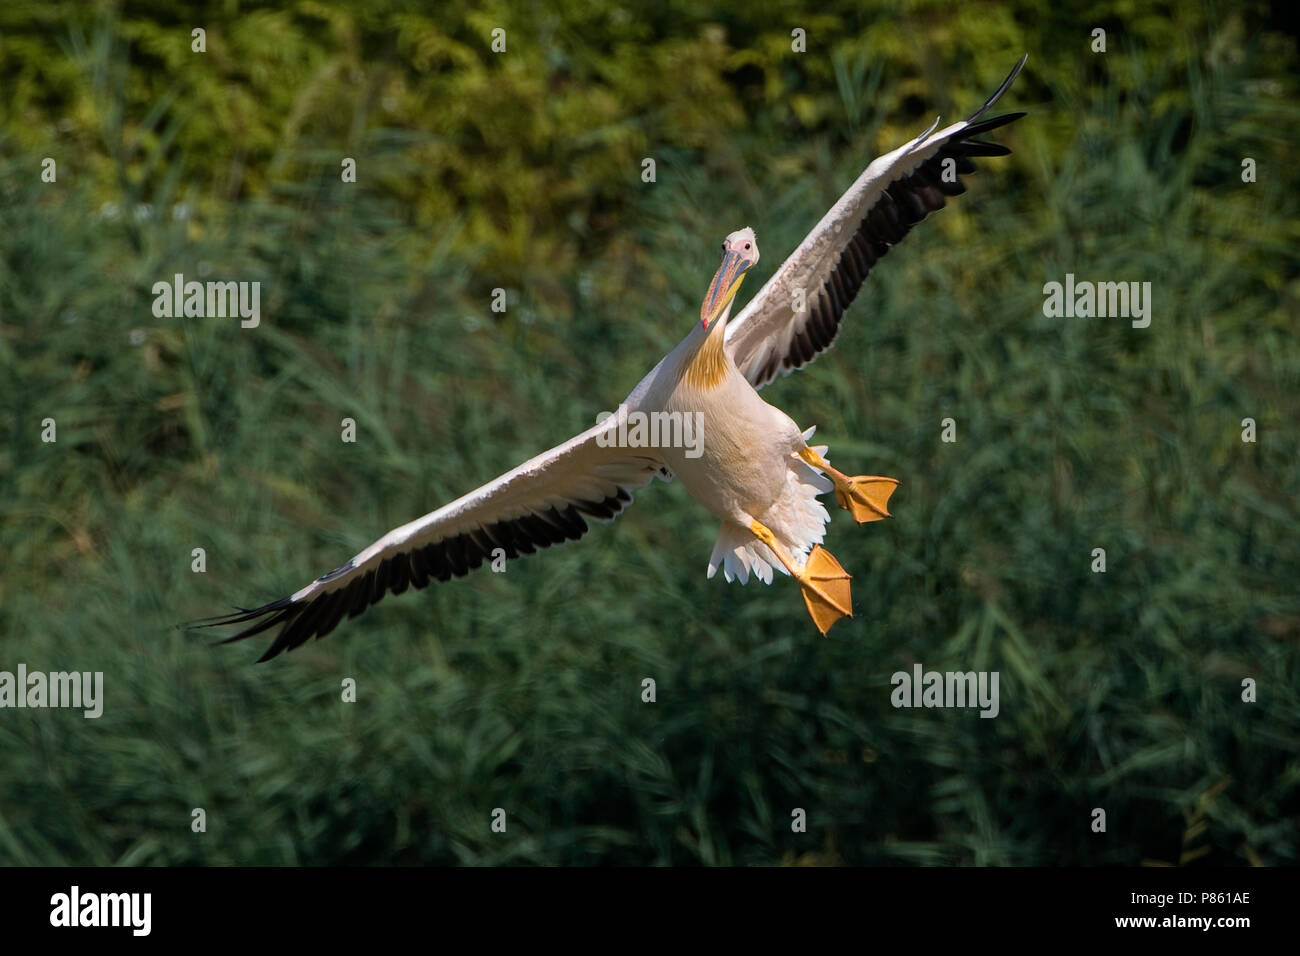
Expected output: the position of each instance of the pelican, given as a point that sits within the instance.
(753, 468)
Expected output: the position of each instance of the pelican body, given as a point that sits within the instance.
(753, 469)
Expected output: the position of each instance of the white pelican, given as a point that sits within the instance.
(754, 469)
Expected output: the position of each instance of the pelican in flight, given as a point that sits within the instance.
(752, 466)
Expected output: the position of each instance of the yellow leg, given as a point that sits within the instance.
(825, 585)
(865, 497)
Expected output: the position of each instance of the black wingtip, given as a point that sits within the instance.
(240, 615)
(997, 94)
(992, 122)
(259, 619)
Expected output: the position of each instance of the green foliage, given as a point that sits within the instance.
(522, 691)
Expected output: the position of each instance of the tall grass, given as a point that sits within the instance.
(522, 690)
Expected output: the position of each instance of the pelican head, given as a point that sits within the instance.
(739, 252)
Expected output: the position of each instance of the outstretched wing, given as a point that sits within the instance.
(544, 501)
(824, 274)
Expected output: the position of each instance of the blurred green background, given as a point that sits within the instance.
(522, 690)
